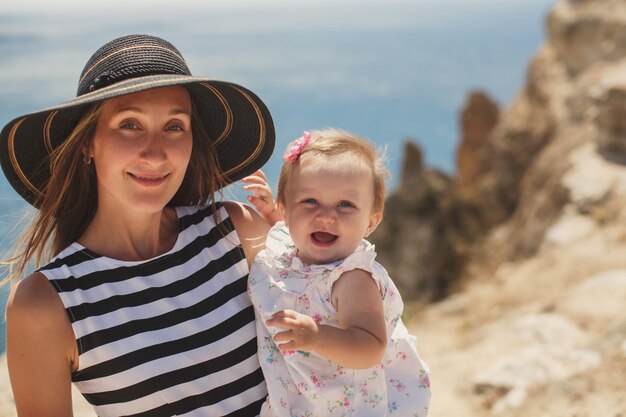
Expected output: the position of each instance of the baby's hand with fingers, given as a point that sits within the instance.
(302, 331)
(261, 197)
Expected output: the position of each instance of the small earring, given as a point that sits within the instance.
(87, 159)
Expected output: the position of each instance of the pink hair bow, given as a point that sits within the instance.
(296, 148)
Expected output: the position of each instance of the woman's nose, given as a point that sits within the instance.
(154, 149)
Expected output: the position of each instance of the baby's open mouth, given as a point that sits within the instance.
(323, 237)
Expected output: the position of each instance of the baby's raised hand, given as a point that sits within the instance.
(301, 334)
(261, 197)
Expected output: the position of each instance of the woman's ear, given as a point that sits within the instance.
(374, 221)
(87, 152)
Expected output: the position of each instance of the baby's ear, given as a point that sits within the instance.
(283, 213)
(375, 220)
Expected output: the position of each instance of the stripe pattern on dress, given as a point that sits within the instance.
(173, 335)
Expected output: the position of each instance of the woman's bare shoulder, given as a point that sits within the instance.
(35, 315)
(41, 348)
(34, 306)
(33, 293)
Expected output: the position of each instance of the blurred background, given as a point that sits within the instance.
(384, 70)
(504, 125)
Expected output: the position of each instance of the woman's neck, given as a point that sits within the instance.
(131, 236)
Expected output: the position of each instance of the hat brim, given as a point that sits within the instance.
(236, 120)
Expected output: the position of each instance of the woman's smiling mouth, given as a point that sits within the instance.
(148, 180)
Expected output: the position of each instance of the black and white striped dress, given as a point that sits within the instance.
(172, 335)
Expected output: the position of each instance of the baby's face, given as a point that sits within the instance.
(329, 208)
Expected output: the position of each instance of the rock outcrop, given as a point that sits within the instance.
(514, 178)
(538, 213)
(412, 242)
(479, 117)
(581, 75)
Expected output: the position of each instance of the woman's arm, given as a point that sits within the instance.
(361, 338)
(41, 350)
(251, 228)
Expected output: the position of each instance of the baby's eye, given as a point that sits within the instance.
(309, 201)
(345, 204)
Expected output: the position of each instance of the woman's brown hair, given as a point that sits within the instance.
(70, 198)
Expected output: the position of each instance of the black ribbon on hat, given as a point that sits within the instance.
(105, 79)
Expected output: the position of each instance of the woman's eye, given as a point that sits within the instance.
(176, 128)
(129, 125)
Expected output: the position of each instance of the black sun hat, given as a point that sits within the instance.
(234, 118)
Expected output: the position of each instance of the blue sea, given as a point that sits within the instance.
(388, 71)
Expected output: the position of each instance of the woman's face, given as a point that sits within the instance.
(141, 149)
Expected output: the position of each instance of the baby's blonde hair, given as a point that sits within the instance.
(332, 142)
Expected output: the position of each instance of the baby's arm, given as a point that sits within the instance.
(358, 342)
(261, 197)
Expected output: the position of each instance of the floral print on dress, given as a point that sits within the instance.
(269, 350)
(305, 384)
(424, 379)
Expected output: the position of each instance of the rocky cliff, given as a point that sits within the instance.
(512, 183)
(535, 222)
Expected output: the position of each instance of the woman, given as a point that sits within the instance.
(144, 306)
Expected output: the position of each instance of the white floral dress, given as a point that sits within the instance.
(305, 384)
